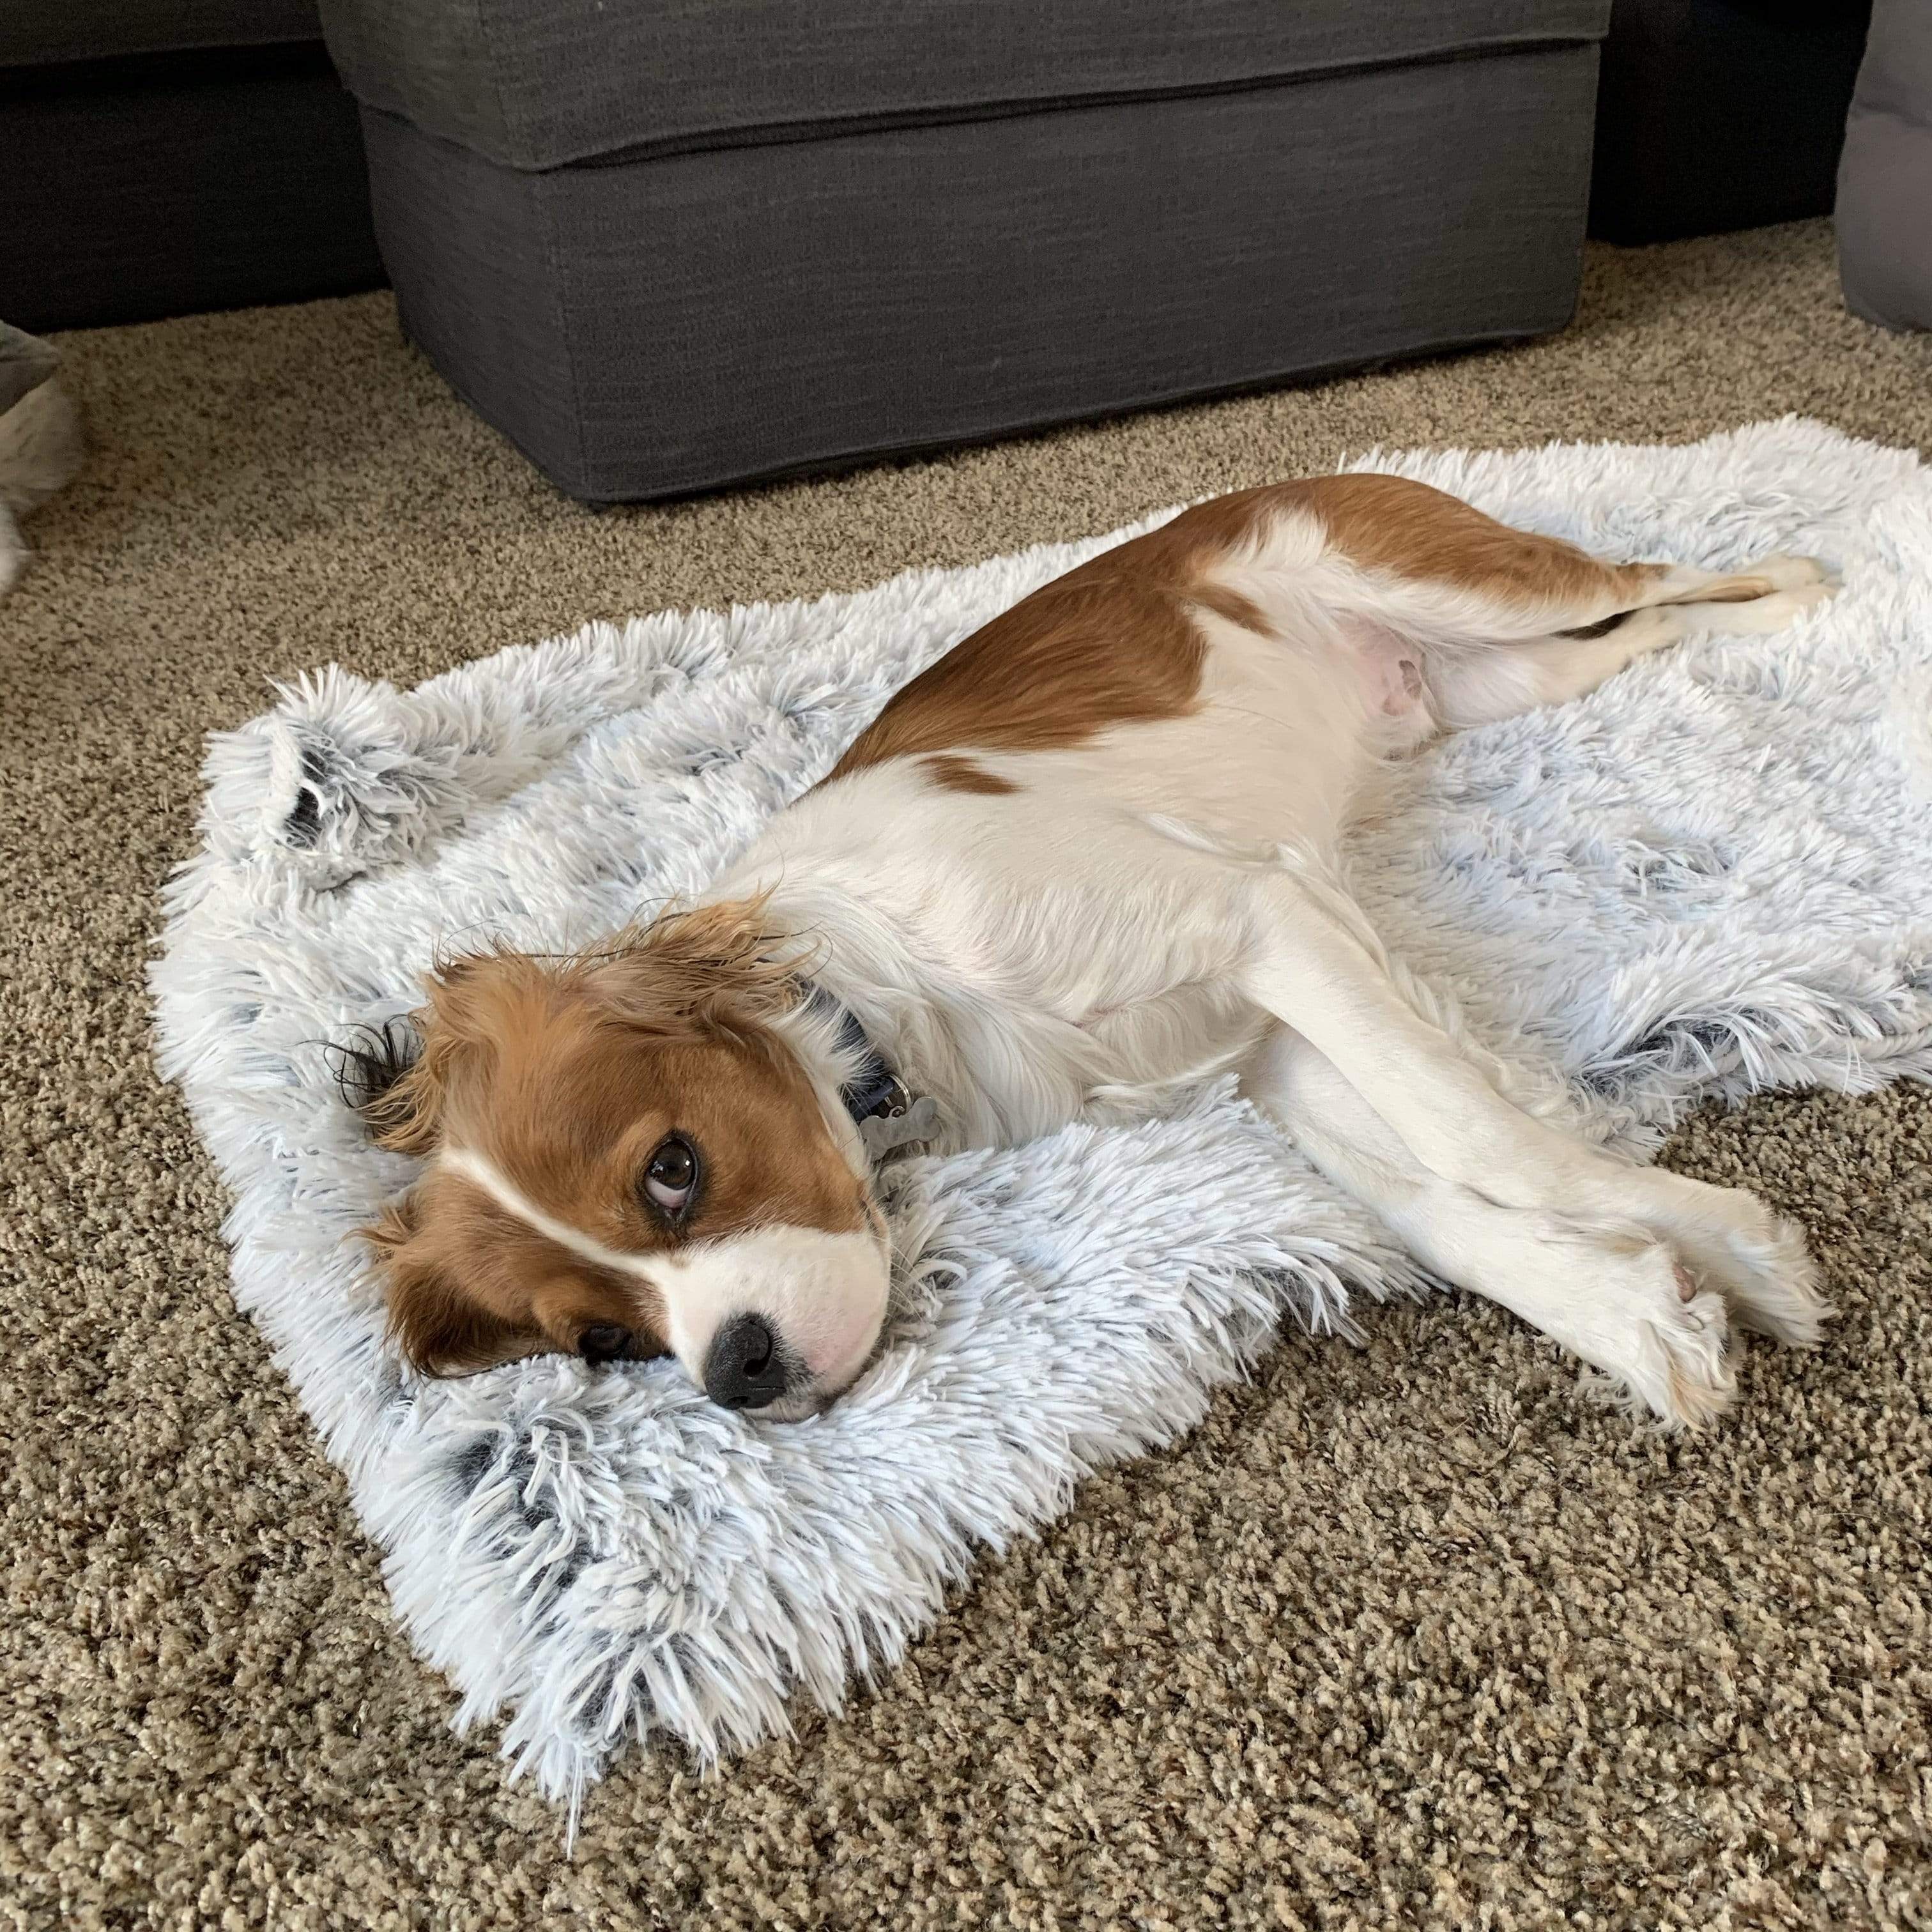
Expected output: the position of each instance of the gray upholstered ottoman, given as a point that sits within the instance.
(664, 244)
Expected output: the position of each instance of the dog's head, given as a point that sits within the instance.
(632, 1153)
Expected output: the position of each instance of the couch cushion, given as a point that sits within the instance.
(1885, 180)
(539, 86)
(36, 33)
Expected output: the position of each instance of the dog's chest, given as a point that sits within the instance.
(1005, 1072)
(1026, 966)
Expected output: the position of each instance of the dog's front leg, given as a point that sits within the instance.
(1615, 1296)
(1459, 1147)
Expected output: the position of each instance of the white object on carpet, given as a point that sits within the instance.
(1713, 875)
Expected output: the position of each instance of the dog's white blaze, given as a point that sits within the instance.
(823, 1293)
(482, 1172)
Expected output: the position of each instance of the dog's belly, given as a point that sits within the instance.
(1071, 912)
(1279, 742)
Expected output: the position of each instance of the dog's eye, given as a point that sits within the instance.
(603, 1341)
(671, 1176)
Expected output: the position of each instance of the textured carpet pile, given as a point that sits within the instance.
(1398, 1635)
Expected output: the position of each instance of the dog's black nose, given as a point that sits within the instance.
(745, 1369)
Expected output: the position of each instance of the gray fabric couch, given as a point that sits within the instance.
(668, 246)
(160, 156)
(1885, 180)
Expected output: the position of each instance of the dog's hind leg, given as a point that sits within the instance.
(1470, 686)
(1480, 620)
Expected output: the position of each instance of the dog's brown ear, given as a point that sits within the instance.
(396, 1075)
(439, 1329)
(719, 966)
(369, 1066)
(406, 1116)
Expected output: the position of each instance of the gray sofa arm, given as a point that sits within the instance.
(1884, 179)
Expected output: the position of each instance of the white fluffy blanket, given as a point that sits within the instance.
(1713, 875)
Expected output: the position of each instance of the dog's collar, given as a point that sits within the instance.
(874, 1092)
(881, 1103)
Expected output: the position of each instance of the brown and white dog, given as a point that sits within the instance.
(1078, 865)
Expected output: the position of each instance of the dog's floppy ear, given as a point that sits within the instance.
(439, 1329)
(370, 1065)
(715, 967)
(394, 1082)
(395, 1076)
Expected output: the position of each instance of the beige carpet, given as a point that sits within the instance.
(1404, 1637)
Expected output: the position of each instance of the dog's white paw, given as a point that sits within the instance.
(1794, 573)
(1758, 1262)
(1656, 1336)
(1758, 617)
(1734, 1244)
(1783, 608)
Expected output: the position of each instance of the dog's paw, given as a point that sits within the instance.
(1656, 1337)
(1757, 616)
(1761, 1266)
(1792, 573)
(1676, 1362)
(1783, 608)
(1798, 585)
(1755, 1259)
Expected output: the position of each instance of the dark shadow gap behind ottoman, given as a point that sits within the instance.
(1714, 115)
(662, 323)
(159, 184)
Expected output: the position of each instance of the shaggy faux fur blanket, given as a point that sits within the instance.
(1713, 875)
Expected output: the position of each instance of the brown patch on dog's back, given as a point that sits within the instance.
(1106, 645)
(1116, 641)
(953, 773)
